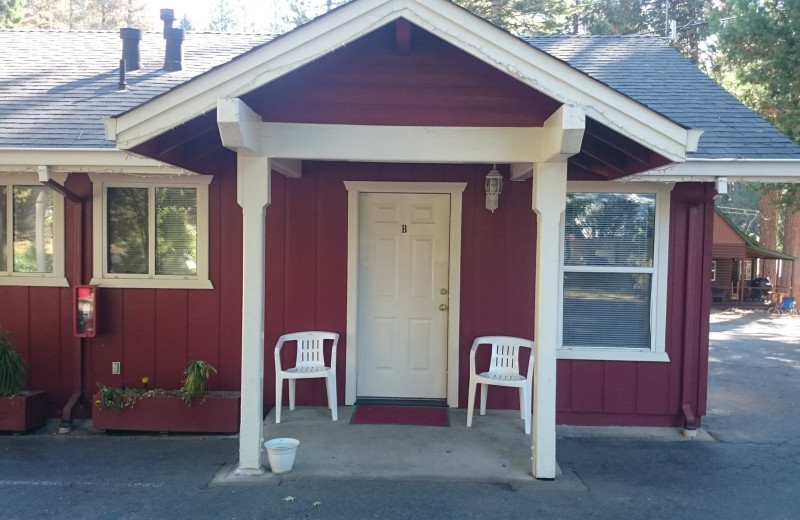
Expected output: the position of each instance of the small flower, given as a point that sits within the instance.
(97, 403)
(145, 380)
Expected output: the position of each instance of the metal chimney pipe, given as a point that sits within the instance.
(173, 56)
(130, 48)
(168, 16)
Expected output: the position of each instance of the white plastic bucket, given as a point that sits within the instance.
(281, 453)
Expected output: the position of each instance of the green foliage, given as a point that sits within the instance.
(222, 18)
(759, 62)
(616, 16)
(185, 23)
(120, 398)
(194, 385)
(10, 13)
(88, 14)
(12, 366)
(760, 58)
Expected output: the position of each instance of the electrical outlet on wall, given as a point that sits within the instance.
(115, 366)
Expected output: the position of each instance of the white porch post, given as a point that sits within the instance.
(549, 202)
(253, 183)
(240, 130)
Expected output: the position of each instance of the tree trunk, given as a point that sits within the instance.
(791, 246)
(768, 233)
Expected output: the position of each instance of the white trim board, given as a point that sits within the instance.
(453, 24)
(354, 189)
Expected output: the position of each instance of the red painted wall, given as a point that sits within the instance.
(154, 332)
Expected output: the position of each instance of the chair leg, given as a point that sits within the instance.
(484, 394)
(278, 398)
(291, 393)
(522, 403)
(471, 402)
(330, 382)
(528, 409)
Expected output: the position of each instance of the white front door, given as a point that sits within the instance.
(404, 249)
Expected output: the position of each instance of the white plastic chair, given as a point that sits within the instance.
(310, 364)
(503, 370)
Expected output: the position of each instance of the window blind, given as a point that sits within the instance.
(176, 231)
(609, 241)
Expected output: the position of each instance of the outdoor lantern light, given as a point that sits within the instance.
(494, 187)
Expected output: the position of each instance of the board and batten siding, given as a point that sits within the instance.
(153, 332)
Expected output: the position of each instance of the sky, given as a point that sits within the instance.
(262, 15)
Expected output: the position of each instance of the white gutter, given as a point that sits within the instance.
(89, 160)
(735, 170)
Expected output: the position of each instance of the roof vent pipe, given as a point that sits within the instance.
(173, 58)
(168, 16)
(130, 48)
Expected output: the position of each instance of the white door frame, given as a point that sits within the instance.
(354, 189)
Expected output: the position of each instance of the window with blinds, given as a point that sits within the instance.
(151, 231)
(608, 270)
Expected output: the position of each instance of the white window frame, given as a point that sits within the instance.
(658, 300)
(57, 278)
(713, 270)
(102, 278)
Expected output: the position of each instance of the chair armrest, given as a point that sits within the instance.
(278, 348)
(475, 345)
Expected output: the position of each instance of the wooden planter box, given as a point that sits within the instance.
(23, 412)
(217, 412)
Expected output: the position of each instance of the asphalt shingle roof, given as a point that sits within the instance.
(55, 86)
(649, 70)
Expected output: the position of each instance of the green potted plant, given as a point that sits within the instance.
(190, 408)
(20, 410)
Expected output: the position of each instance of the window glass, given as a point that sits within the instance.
(607, 309)
(33, 229)
(3, 228)
(176, 231)
(609, 257)
(128, 230)
(614, 229)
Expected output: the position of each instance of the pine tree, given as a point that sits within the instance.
(185, 23)
(221, 17)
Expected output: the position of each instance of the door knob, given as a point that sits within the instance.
(442, 307)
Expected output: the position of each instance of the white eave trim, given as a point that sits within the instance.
(88, 160)
(453, 24)
(709, 170)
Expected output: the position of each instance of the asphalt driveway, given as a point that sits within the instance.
(750, 470)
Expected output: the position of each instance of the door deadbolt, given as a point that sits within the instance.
(443, 292)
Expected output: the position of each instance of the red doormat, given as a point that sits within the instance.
(406, 415)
